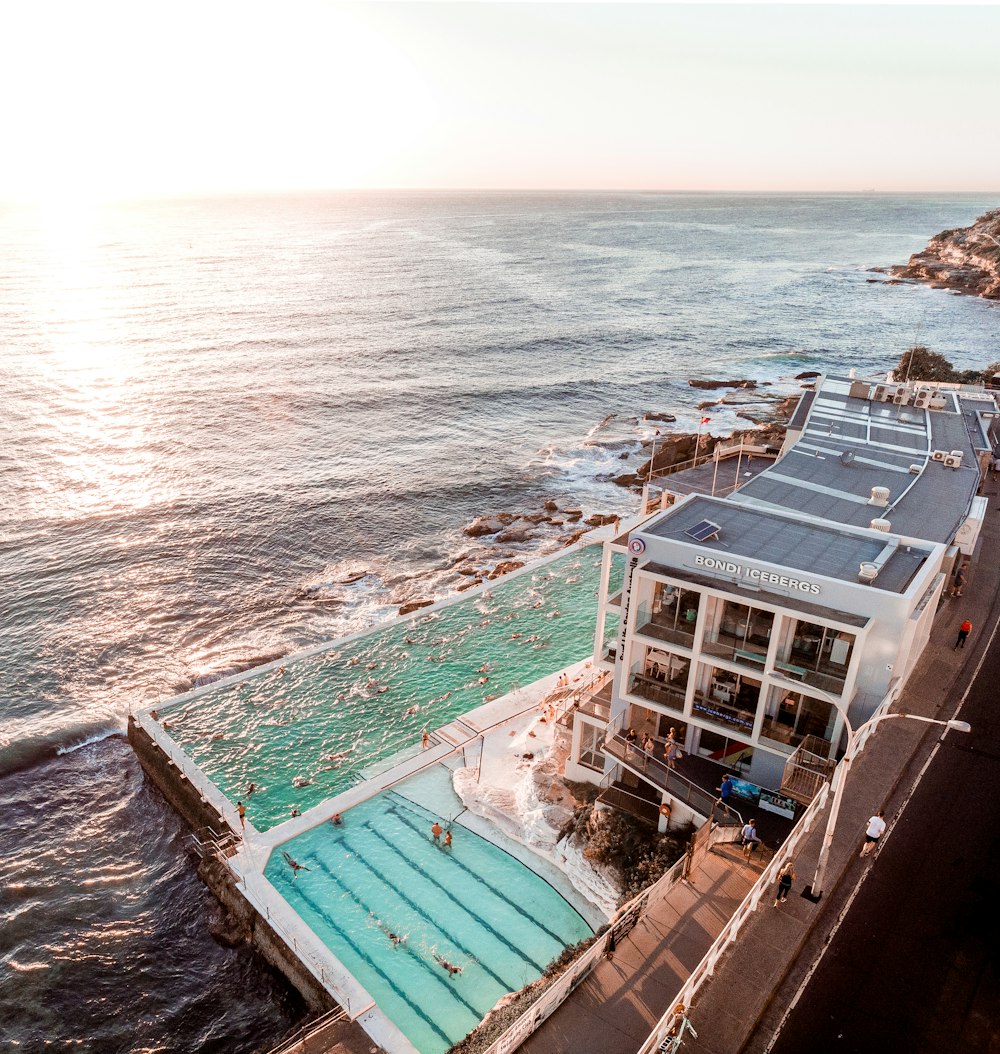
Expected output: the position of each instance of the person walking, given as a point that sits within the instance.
(673, 753)
(725, 789)
(750, 838)
(874, 831)
(242, 810)
(786, 876)
(437, 830)
(959, 581)
(963, 634)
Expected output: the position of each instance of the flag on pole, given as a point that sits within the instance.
(706, 420)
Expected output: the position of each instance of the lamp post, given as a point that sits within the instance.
(815, 891)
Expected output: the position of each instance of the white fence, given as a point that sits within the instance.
(554, 996)
(706, 967)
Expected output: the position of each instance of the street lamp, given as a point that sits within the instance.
(815, 891)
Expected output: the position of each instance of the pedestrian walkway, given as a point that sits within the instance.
(735, 1012)
(615, 1009)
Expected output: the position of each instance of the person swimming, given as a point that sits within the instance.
(293, 864)
(301, 781)
(443, 962)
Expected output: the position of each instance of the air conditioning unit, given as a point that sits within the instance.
(938, 401)
(957, 453)
(902, 398)
(922, 400)
(882, 394)
(953, 462)
(915, 470)
(938, 455)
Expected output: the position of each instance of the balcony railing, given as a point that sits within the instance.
(656, 691)
(657, 772)
(723, 713)
(661, 625)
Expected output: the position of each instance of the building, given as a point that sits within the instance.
(749, 622)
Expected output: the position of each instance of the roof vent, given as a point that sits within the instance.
(881, 525)
(880, 497)
(847, 457)
(867, 572)
(915, 470)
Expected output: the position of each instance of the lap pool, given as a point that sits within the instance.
(473, 906)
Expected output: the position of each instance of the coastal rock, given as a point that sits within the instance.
(505, 567)
(413, 605)
(808, 375)
(649, 415)
(966, 259)
(573, 536)
(550, 505)
(573, 515)
(483, 525)
(515, 534)
(462, 587)
(599, 519)
(711, 385)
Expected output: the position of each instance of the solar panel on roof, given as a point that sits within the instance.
(703, 530)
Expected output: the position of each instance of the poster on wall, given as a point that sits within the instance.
(771, 802)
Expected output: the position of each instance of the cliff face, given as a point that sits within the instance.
(967, 259)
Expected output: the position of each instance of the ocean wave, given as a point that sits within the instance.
(29, 751)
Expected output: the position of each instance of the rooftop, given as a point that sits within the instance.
(850, 445)
(801, 545)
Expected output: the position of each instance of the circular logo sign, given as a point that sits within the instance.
(637, 547)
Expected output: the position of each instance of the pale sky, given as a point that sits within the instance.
(131, 98)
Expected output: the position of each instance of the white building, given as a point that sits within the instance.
(744, 619)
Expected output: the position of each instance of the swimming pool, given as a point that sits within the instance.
(304, 731)
(473, 906)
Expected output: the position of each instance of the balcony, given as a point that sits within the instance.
(667, 625)
(654, 690)
(657, 773)
(723, 713)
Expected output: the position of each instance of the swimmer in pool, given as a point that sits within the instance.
(293, 864)
(413, 710)
(442, 961)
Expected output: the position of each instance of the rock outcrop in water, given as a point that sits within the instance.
(966, 259)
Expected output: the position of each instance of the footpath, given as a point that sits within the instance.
(737, 1010)
(615, 1009)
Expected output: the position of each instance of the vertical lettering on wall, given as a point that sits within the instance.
(626, 597)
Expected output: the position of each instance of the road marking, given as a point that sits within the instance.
(857, 888)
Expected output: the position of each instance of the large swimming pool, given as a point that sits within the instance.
(303, 732)
(473, 907)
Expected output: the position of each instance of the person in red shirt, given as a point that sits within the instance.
(963, 634)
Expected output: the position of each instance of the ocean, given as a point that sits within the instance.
(233, 428)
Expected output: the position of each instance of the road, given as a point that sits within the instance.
(915, 964)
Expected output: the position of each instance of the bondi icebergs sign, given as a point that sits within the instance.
(757, 574)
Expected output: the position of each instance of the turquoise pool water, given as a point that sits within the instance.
(305, 734)
(472, 906)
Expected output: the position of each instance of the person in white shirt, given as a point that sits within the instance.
(876, 827)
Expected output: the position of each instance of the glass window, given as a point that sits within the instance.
(592, 746)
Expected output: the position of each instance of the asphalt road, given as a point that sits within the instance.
(915, 964)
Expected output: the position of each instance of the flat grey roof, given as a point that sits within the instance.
(850, 445)
(800, 545)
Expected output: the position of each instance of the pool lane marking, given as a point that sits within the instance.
(432, 970)
(418, 911)
(409, 860)
(415, 1007)
(442, 929)
(517, 907)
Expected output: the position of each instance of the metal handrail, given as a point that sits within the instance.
(656, 772)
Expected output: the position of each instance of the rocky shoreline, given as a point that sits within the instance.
(558, 524)
(965, 260)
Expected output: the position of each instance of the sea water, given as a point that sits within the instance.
(236, 428)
